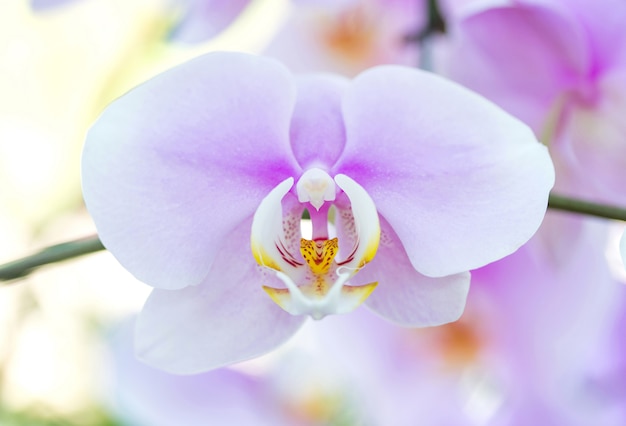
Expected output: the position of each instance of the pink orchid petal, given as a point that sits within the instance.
(596, 135)
(146, 396)
(461, 182)
(551, 316)
(406, 297)
(173, 166)
(225, 319)
(522, 56)
(604, 25)
(317, 133)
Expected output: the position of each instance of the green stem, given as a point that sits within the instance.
(573, 205)
(71, 249)
(57, 253)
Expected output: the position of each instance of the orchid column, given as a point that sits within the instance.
(423, 180)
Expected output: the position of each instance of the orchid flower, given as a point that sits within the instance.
(545, 332)
(560, 66)
(409, 181)
(348, 36)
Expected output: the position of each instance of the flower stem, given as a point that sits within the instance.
(57, 253)
(574, 205)
(22, 267)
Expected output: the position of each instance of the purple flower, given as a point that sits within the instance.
(348, 36)
(546, 338)
(560, 66)
(421, 179)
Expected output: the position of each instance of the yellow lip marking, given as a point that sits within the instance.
(319, 255)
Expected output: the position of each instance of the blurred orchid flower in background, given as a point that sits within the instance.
(546, 336)
(230, 136)
(560, 66)
(348, 36)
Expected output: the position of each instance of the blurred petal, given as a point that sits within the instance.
(173, 166)
(461, 182)
(538, 52)
(317, 132)
(143, 395)
(551, 315)
(405, 296)
(225, 319)
(204, 19)
(604, 25)
(42, 5)
(559, 66)
(347, 36)
(596, 136)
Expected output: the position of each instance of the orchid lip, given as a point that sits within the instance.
(316, 282)
(340, 299)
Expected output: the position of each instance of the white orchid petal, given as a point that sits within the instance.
(366, 222)
(267, 228)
